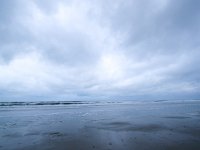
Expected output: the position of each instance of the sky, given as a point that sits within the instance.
(99, 49)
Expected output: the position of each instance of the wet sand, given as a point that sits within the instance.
(108, 126)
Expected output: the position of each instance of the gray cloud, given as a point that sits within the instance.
(134, 49)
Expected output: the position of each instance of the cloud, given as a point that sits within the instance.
(134, 49)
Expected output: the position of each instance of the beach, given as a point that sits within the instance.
(155, 125)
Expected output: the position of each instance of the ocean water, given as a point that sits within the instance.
(100, 125)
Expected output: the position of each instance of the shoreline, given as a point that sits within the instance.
(115, 126)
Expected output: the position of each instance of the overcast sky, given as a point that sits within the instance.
(99, 49)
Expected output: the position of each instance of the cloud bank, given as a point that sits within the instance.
(99, 50)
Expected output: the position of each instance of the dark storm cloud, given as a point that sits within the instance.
(13, 34)
(172, 27)
(133, 48)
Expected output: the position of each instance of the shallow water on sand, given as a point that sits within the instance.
(102, 126)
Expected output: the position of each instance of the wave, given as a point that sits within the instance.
(44, 103)
(92, 102)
